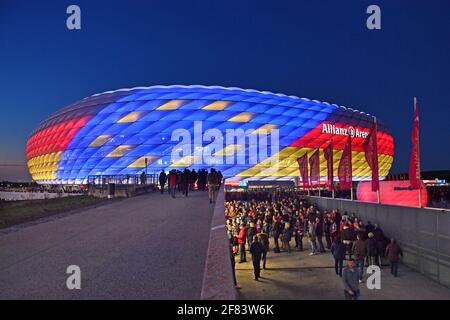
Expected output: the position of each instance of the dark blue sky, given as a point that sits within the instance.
(316, 49)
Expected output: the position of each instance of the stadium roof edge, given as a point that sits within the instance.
(215, 87)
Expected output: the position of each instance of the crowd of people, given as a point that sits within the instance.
(439, 197)
(284, 217)
(189, 180)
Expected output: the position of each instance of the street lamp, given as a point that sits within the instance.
(146, 162)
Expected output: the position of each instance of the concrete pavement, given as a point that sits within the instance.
(147, 247)
(298, 276)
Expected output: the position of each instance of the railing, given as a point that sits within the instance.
(126, 179)
(121, 185)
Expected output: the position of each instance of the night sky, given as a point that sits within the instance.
(315, 49)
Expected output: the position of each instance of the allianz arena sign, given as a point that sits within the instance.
(353, 132)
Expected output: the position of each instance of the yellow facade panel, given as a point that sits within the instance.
(100, 140)
(242, 117)
(140, 162)
(217, 105)
(171, 105)
(131, 117)
(119, 151)
(185, 161)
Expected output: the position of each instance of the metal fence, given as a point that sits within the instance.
(123, 179)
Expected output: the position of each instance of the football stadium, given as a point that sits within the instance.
(127, 131)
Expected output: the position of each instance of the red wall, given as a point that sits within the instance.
(389, 195)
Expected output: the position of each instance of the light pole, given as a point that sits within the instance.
(146, 162)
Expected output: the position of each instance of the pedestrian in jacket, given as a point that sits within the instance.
(319, 234)
(277, 228)
(359, 251)
(256, 249)
(299, 235)
(172, 182)
(213, 183)
(186, 179)
(233, 268)
(312, 237)
(263, 238)
(251, 231)
(242, 237)
(287, 237)
(372, 249)
(380, 238)
(162, 180)
(193, 179)
(393, 252)
(338, 251)
(350, 278)
(327, 229)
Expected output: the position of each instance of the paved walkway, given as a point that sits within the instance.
(147, 247)
(298, 276)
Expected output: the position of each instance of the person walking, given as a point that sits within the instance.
(212, 179)
(263, 238)
(299, 235)
(338, 251)
(393, 252)
(179, 180)
(219, 178)
(162, 180)
(312, 236)
(258, 226)
(381, 240)
(286, 237)
(350, 278)
(359, 251)
(319, 234)
(251, 231)
(202, 179)
(372, 249)
(242, 237)
(143, 177)
(193, 179)
(327, 229)
(172, 182)
(233, 267)
(256, 249)
(334, 229)
(277, 229)
(186, 179)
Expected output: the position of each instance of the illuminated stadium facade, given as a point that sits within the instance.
(118, 132)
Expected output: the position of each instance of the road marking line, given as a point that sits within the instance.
(218, 227)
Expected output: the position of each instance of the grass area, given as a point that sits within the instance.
(15, 212)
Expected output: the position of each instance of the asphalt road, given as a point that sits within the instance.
(147, 247)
